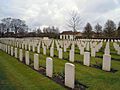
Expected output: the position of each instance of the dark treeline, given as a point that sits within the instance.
(11, 27)
(110, 30)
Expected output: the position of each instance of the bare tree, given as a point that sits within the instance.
(18, 26)
(7, 23)
(14, 25)
(74, 21)
(39, 31)
(52, 29)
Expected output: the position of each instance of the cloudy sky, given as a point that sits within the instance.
(42, 13)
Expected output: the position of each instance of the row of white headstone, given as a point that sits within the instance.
(116, 47)
(69, 68)
(94, 48)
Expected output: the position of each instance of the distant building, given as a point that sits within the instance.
(70, 35)
(45, 38)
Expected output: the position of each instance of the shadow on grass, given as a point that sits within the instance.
(99, 66)
(57, 77)
(115, 59)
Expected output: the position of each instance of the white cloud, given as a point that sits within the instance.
(53, 12)
(117, 2)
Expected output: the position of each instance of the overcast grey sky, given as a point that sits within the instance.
(38, 13)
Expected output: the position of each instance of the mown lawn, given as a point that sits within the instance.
(14, 75)
(93, 78)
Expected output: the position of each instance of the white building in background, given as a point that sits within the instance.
(70, 35)
(45, 38)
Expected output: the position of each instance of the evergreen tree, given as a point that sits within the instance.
(109, 29)
(88, 31)
(98, 30)
(118, 30)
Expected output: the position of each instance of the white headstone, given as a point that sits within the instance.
(87, 58)
(27, 60)
(52, 52)
(49, 67)
(36, 61)
(17, 44)
(87, 48)
(8, 49)
(93, 52)
(82, 50)
(107, 51)
(71, 56)
(106, 62)
(25, 46)
(22, 45)
(65, 48)
(33, 48)
(38, 49)
(16, 55)
(60, 53)
(11, 51)
(44, 50)
(69, 75)
(29, 47)
(21, 55)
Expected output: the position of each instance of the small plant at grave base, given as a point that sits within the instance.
(79, 61)
(98, 65)
(42, 70)
(31, 65)
(75, 45)
(30, 62)
(79, 86)
(59, 77)
(23, 59)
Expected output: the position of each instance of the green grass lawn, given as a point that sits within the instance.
(17, 75)
(14, 75)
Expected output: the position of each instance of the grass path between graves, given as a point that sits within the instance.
(94, 78)
(17, 76)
